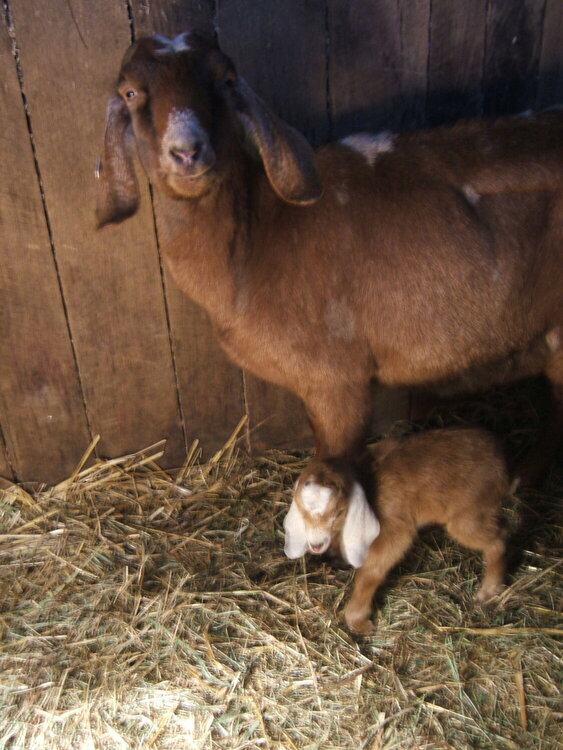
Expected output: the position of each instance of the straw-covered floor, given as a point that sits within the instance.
(141, 609)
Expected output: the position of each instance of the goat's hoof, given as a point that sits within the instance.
(487, 593)
(360, 626)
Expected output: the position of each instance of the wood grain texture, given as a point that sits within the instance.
(455, 66)
(378, 64)
(41, 406)
(111, 279)
(512, 55)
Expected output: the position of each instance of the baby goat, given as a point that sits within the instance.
(457, 478)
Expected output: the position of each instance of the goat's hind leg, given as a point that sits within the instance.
(485, 534)
(495, 569)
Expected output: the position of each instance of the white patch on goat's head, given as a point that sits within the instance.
(370, 146)
(181, 121)
(171, 46)
(314, 497)
(471, 195)
(305, 528)
(340, 320)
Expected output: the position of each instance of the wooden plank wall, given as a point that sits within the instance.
(95, 338)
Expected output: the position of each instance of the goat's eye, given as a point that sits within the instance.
(130, 94)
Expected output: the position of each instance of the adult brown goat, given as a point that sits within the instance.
(411, 260)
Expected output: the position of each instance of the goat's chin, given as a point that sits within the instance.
(185, 186)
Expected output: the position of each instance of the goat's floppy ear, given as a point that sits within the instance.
(118, 194)
(295, 533)
(288, 159)
(361, 527)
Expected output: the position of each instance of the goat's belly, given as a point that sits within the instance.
(496, 372)
(459, 371)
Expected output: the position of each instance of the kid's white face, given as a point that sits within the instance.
(308, 529)
(301, 537)
(315, 499)
(306, 526)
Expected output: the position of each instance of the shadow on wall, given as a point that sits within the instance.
(445, 107)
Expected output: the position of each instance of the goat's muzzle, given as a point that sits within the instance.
(189, 159)
(186, 157)
(318, 549)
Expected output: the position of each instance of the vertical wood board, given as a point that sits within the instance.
(41, 406)
(512, 55)
(111, 279)
(378, 64)
(455, 66)
(280, 48)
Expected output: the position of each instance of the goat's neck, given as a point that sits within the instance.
(204, 243)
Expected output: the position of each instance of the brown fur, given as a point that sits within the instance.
(456, 478)
(442, 261)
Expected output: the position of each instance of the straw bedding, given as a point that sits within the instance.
(141, 609)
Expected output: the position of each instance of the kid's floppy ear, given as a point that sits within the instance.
(295, 533)
(288, 159)
(361, 527)
(118, 193)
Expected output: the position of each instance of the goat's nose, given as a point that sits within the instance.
(186, 156)
(316, 549)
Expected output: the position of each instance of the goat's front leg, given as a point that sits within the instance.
(339, 415)
(385, 552)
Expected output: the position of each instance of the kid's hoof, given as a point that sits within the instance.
(487, 593)
(360, 626)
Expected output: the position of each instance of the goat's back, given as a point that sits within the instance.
(416, 256)
(439, 475)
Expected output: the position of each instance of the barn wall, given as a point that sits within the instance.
(95, 337)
